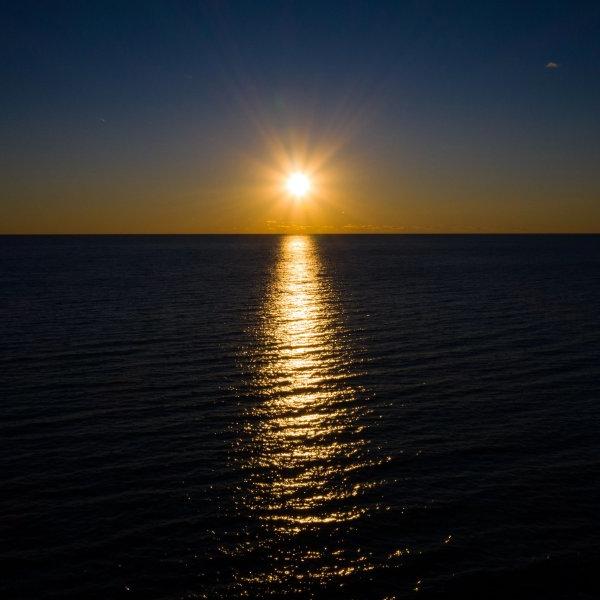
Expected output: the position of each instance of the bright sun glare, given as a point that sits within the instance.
(298, 184)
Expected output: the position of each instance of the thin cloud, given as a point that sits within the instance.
(552, 65)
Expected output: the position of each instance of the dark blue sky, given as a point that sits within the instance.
(147, 116)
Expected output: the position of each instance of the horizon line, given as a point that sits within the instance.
(329, 233)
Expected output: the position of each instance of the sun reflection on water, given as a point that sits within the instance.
(305, 438)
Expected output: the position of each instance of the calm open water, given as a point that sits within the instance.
(329, 416)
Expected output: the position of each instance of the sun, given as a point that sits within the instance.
(298, 184)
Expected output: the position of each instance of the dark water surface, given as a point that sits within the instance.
(329, 416)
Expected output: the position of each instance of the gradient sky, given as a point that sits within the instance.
(127, 117)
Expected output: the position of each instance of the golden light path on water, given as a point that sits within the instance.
(306, 443)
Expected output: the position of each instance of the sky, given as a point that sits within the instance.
(410, 117)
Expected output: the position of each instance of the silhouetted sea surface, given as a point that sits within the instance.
(327, 416)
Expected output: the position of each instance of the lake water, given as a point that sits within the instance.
(328, 416)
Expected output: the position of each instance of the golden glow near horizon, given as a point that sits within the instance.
(298, 184)
(295, 181)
